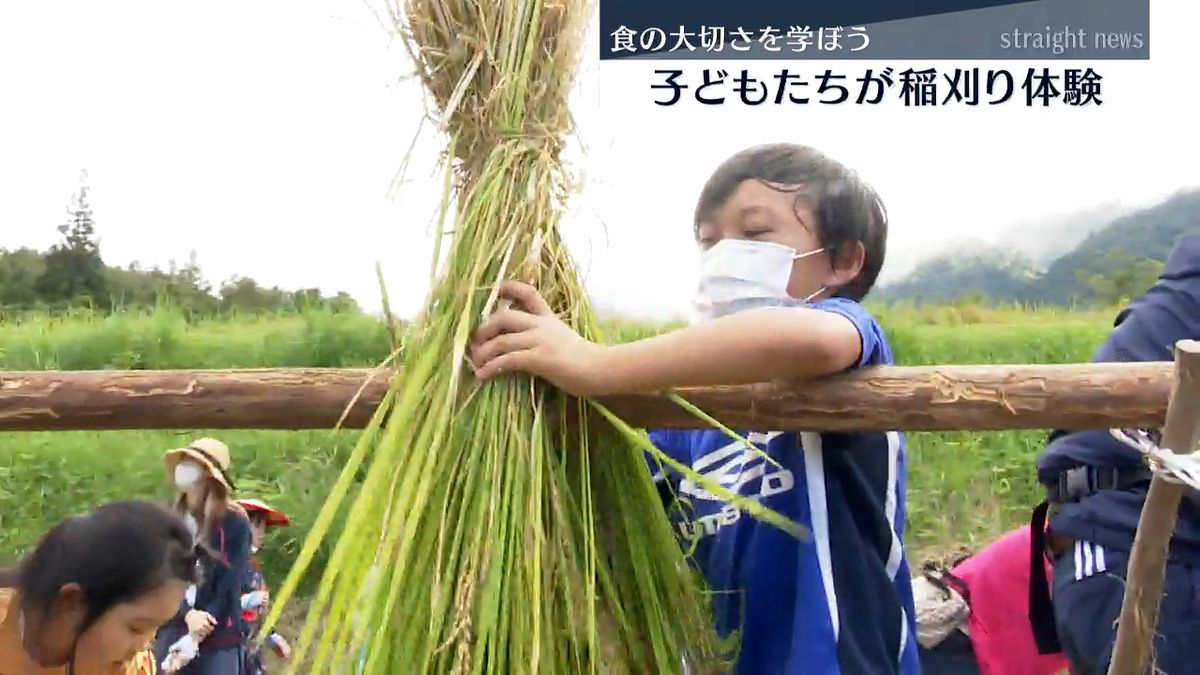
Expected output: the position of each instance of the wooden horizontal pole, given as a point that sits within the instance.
(1080, 396)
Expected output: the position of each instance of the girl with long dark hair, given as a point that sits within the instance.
(90, 596)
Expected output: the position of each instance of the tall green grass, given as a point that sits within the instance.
(964, 487)
(164, 339)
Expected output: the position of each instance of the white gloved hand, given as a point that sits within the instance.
(254, 599)
(281, 646)
(180, 654)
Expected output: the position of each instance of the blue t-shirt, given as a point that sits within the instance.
(840, 602)
(1146, 330)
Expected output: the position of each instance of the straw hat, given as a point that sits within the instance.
(274, 518)
(209, 453)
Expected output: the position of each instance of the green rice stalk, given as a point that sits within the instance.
(502, 527)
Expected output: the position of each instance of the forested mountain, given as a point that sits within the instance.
(991, 273)
(1115, 261)
(1044, 239)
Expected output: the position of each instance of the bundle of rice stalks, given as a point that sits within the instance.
(500, 527)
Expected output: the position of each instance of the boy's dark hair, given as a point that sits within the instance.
(847, 209)
(116, 553)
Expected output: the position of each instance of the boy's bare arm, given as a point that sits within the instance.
(753, 346)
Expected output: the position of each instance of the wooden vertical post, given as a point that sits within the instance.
(1148, 559)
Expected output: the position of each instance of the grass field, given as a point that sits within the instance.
(963, 487)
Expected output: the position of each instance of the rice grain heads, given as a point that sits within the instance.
(503, 527)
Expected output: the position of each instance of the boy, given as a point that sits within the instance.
(254, 589)
(1095, 490)
(791, 242)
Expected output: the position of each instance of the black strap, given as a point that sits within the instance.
(1081, 482)
(958, 585)
(943, 578)
(1041, 607)
(216, 465)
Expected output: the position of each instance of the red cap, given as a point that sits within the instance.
(274, 518)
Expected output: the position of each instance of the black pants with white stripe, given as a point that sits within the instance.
(1089, 585)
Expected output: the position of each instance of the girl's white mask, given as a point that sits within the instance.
(187, 475)
(739, 274)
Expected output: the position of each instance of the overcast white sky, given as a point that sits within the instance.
(265, 135)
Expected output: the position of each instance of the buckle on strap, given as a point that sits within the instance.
(1077, 483)
(1074, 484)
(1110, 478)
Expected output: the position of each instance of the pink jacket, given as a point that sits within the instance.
(997, 579)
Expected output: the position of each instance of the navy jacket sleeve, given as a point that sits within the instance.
(1146, 330)
(181, 613)
(226, 599)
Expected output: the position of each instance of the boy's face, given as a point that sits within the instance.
(258, 528)
(761, 211)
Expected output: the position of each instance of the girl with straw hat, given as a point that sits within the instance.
(209, 623)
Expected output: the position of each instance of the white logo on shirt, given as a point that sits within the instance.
(740, 469)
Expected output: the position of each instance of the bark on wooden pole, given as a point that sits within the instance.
(1079, 396)
(1148, 559)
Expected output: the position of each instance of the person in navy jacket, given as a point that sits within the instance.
(1096, 487)
(212, 611)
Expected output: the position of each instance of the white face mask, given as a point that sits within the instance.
(187, 476)
(739, 274)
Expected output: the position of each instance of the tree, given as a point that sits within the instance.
(1123, 278)
(134, 287)
(73, 272)
(188, 288)
(307, 298)
(19, 274)
(74, 269)
(243, 295)
(343, 302)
